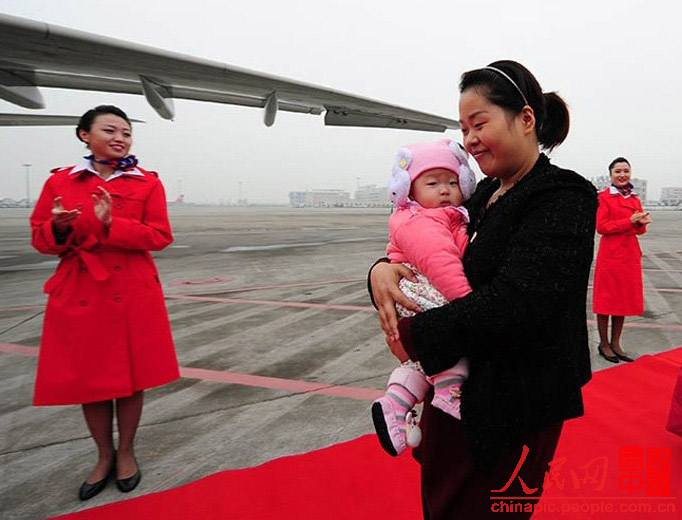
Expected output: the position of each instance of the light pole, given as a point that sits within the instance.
(28, 184)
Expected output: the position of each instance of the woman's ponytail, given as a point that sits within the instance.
(553, 129)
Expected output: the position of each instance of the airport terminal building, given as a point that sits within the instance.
(371, 196)
(671, 196)
(319, 199)
(604, 181)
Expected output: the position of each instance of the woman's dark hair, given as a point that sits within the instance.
(86, 119)
(616, 161)
(551, 112)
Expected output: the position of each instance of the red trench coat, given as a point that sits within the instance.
(675, 416)
(106, 332)
(618, 289)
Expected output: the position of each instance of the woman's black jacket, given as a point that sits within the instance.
(523, 327)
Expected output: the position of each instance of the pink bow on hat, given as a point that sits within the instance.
(414, 159)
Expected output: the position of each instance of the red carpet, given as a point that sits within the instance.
(611, 463)
(625, 406)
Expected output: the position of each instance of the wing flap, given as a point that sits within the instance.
(104, 84)
(340, 117)
(59, 57)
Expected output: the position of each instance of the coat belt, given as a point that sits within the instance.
(87, 252)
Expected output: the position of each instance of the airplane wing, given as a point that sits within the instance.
(7, 119)
(34, 54)
(37, 120)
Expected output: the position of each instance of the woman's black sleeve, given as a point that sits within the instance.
(369, 280)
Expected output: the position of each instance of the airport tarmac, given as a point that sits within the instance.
(280, 347)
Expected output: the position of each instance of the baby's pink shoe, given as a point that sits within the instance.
(446, 388)
(406, 387)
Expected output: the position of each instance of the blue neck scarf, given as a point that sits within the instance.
(625, 190)
(124, 164)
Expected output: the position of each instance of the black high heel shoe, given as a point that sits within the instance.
(87, 490)
(126, 485)
(623, 357)
(612, 359)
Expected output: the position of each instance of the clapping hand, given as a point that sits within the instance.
(640, 218)
(62, 219)
(102, 205)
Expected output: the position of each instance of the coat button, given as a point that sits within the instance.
(117, 268)
(83, 303)
(117, 299)
(83, 269)
(118, 205)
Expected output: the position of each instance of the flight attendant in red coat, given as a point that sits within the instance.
(618, 290)
(106, 335)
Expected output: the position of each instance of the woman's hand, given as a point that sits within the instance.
(397, 349)
(102, 205)
(62, 219)
(640, 218)
(384, 279)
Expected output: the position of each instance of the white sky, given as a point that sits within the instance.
(616, 62)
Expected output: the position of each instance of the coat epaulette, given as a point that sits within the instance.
(150, 172)
(61, 169)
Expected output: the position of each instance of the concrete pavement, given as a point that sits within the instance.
(280, 347)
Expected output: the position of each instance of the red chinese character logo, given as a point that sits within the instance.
(658, 472)
(631, 465)
(594, 473)
(552, 476)
(526, 489)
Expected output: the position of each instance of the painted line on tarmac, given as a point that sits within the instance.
(23, 307)
(186, 283)
(236, 378)
(282, 286)
(354, 308)
(277, 383)
(637, 325)
(204, 281)
(12, 348)
(367, 308)
(659, 269)
(656, 289)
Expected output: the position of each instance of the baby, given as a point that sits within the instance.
(427, 232)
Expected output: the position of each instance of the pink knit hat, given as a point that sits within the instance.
(414, 159)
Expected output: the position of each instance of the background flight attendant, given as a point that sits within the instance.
(618, 289)
(106, 335)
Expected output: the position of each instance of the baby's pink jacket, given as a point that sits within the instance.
(433, 240)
